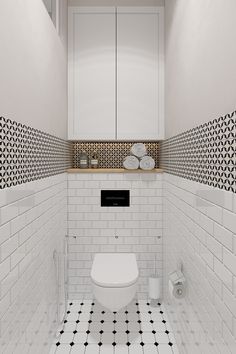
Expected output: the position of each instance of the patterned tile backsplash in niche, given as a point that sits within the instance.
(28, 154)
(112, 154)
(205, 154)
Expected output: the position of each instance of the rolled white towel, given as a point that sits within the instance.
(131, 163)
(147, 163)
(139, 150)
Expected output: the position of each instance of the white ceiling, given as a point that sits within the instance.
(116, 2)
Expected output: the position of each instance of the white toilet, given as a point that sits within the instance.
(114, 279)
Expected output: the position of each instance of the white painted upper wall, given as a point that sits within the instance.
(116, 2)
(33, 67)
(200, 62)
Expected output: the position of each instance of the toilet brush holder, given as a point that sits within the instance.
(154, 286)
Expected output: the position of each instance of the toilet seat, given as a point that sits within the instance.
(114, 270)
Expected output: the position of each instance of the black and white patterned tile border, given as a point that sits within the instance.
(112, 154)
(205, 154)
(28, 154)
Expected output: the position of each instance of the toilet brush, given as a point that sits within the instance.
(154, 282)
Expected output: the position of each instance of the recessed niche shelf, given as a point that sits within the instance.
(111, 170)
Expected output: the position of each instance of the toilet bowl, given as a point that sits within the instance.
(114, 279)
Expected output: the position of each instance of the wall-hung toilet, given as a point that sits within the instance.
(114, 279)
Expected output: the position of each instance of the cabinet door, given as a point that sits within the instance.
(92, 81)
(140, 82)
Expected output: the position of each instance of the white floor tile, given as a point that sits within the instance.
(121, 338)
(92, 349)
(162, 338)
(159, 326)
(164, 349)
(135, 338)
(77, 349)
(94, 338)
(121, 349)
(175, 349)
(109, 326)
(133, 327)
(82, 326)
(66, 337)
(156, 317)
(95, 327)
(146, 327)
(145, 317)
(63, 349)
(135, 349)
(107, 338)
(120, 317)
(133, 317)
(80, 338)
(72, 317)
(70, 326)
(121, 327)
(148, 337)
(84, 317)
(107, 349)
(150, 349)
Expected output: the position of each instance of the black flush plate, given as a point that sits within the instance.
(115, 198)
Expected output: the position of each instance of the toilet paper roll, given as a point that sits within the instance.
(177, 291)
(154, 288)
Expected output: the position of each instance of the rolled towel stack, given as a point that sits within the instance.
(147, 163)
(131, 163)
(139, 150)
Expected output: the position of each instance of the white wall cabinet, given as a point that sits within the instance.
(116, 73)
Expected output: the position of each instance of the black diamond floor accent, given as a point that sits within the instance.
(93, 304)
(101, 332)
(72, 343)
(103, 312)
(163, 321)
(71, 303)
(126, 312)
(154, 332)
(126, 321)
(114, 321)
(68, 312)
(142, 344)
(57, 344)
(65, 321)
(140, 332)
(100, 344)
(90, 321)
(77, 321)
(127, 332)
(159, 304)
(138, 312)
(161, 312)
(137, 304)
(114, 344)
(148, 303)
(61, 332)
(156, 344)
(151, 321)
(139, 321)
(167, 332)
(128, 344)
(79, 312)
(81, 303)
(87, 331)
(102, 321)
(114, 332)
(75, 332)
(91, 312)
(150, 312)
(85, 344)
(170, 344)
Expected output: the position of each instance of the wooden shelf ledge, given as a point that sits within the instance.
(111, 170)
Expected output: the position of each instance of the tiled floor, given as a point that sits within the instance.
(137, 329)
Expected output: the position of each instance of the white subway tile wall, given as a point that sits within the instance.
(92, 228)
(199, 233)
(32, 226)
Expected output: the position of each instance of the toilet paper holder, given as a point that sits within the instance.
(177, 277)
(177, 284)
